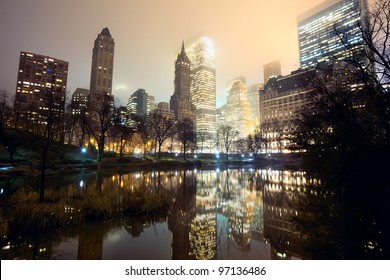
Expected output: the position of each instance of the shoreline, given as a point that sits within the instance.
(22, 169)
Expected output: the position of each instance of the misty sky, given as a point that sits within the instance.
(148, 34)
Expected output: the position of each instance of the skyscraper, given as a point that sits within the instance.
(138, 103)
(271, 69)
(79, 101)
(102, 65)
(254, 101)
(239, 114)
(203, 86)
(180, 102)
(326, 30)
(41, 84)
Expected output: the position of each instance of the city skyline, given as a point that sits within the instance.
(247, 34)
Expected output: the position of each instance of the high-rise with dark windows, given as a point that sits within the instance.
(180, 102)
(331, 31)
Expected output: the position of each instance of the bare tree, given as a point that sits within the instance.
(99, 121)
(202, 137)
(227, 134)
(121, 130)
(5, 108)
(255, 142)
(161, 128)
(186, 134)
(51, 127)
(142, 130)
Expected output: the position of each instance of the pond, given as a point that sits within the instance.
(238, 213)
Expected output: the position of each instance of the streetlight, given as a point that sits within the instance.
(83, 151)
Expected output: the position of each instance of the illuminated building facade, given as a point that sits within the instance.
(271, 70)
(180, 102)
(320, 31)
(102, 65)
(254, 102)
(138, 103)
(239, 113)
(38, 76)
(221, 116)
(79, 101)
(151, 104)
(280, 102)
(203, 86)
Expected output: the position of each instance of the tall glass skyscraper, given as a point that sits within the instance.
(203, 85)
(239, 113)
(326, 30)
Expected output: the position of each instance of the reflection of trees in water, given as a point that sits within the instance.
(193, 209)
(340, 227)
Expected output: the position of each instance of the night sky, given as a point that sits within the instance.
(148, 34)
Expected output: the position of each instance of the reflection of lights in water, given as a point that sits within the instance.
(6, 168)
(7, 247)
(114, 237)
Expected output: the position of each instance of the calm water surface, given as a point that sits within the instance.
(242, 213)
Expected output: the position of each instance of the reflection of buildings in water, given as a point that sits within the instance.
(236, 194)
(241, 208)
(257, 224)
(282, 192)
(135, 226)
(181, 214)
(90, 246)
(203, 231)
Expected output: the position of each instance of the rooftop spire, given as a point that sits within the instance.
(105, 32)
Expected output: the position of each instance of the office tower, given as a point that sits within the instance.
(239, 114)
(41, 84)
(180, 101)
(254, 101)
(102, 66)
(221, 116)
(151, 104)
(203, 86)
(79, 101)
(138, 103)
(271, 69)
(320, 31)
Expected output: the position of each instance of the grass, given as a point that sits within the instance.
(26, 213)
